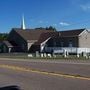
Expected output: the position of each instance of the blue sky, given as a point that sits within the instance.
(62, 14)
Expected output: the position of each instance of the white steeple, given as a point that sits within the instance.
(23, 23)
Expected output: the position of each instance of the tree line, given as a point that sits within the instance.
(47, 28)
(3, 36)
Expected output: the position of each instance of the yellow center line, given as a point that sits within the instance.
(43, 72)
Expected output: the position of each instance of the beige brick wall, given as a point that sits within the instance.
(84, 40)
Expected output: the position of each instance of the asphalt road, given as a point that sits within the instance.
(29, 80)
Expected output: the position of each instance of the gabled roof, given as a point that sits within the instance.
(71, 33)
(7, 43)
(34, 35)
(45, 36)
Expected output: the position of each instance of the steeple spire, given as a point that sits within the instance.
(23, 23)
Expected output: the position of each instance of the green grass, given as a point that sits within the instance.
(25, 56)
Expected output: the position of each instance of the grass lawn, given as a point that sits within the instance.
(25, 56)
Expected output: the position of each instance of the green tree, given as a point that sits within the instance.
(47, 28)
(51, 28)
(3, 36)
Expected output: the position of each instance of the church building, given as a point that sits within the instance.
(42, 40)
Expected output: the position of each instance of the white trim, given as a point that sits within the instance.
(45, 41)
(82, 32)
(43, 44)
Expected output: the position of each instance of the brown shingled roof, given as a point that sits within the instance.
(71, 33)
(7, 43)
(34, 34)
(45, 36)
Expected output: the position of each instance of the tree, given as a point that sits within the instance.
(51, 28)
(47, 28)
(41, 28)
(3, 36)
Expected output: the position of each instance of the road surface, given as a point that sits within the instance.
(45, 75)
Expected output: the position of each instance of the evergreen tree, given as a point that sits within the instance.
(51, 28)
(3, 36)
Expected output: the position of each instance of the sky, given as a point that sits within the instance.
(61, 14)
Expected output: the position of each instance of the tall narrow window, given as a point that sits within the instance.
(62, 44)
(23, 46)
(70, 44)
(55, 44)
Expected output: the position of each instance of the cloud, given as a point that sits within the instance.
(40, 21)
(54, 24)
(85, 7)
(64, 24)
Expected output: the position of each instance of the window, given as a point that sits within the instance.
(62, 44)
(70, 44)
(55, 44)
(23, 46)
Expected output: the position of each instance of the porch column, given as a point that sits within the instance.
(29, 45)
(9, 50)
(65, 53)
